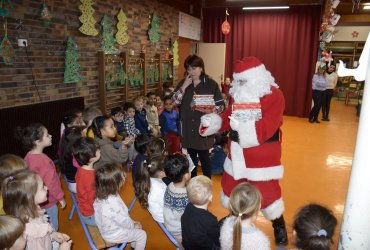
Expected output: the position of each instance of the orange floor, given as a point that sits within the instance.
(317, 160)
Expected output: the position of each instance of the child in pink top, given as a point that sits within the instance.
(23, 192)
(86, 153)
(35, 138)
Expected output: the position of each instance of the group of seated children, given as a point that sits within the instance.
(91, 161)
(182, 205)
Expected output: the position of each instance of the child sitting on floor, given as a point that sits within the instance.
(149, 187)
(200, 229)
(111, 214)
(176, 168)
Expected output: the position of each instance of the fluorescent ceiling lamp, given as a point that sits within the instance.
(367, 7)
(266, 8)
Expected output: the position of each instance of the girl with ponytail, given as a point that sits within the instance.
(238, 231)
(150, 188)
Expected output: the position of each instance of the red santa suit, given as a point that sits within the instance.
(257, 115)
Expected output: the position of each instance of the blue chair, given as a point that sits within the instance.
(169, 236)
(164, 229)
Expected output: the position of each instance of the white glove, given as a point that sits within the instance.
(205, 121)
(234, 124)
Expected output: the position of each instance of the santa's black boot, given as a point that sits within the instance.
(280, 233)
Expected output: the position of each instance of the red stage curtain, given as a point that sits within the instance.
(286, 41)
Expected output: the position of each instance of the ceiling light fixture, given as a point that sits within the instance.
(367, 7)
(266, 8)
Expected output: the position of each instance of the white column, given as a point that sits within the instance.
(355, 231)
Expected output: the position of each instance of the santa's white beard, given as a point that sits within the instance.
(253, 89)
(249, 92)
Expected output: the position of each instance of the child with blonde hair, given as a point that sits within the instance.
(35, 137)
(9, 164)
(200, 229)
(23, 193)
(314, 227)
(141, 122)
(238, 231)
(11, 233)
(111, 213)
(149, 187)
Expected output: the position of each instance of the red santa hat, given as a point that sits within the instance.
(248, 67)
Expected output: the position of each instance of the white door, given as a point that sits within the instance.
(213, 55)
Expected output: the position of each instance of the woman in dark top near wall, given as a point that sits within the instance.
(196, 82)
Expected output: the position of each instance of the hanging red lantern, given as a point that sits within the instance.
(225, 28)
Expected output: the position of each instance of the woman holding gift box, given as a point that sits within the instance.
(191, 95)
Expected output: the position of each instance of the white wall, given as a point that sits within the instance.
(344, 33)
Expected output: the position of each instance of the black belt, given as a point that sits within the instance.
(234, 136)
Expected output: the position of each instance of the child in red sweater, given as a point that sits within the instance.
(86, 153)
(35, 138)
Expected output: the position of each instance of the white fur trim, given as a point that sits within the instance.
(247, 134)
(274, 210)
(224, 200)
(250, 73)
(238, 170)
(212, 123)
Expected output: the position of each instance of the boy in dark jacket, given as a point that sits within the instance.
(169, 122)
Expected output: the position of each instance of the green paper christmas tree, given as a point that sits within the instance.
(45, 16)
(6, 7)
(7, 51)
(72, 68)
(108, 41)
(175, 50)
(121, 35)
(87, 19)
(154, 36)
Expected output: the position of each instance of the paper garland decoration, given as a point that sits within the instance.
(72, 68)
(154, 36)
(108, 41)
(87, 19)
(6, 7)
(121, 35)
(116, 80)
(45, 16)
(175, 50)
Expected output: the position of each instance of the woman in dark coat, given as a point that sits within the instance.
(196, 82)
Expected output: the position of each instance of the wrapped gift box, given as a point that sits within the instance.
(202, 102)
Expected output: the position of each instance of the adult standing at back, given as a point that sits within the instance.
(332, 79)
(319, 84)
(196, 82)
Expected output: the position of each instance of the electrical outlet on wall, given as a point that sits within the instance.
(22, 43)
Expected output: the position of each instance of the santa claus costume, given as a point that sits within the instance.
(254, 120)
